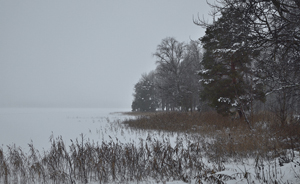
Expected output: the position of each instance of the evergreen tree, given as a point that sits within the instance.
(227, 77)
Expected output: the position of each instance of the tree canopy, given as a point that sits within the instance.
(251, 51)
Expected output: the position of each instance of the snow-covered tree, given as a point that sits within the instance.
(272, 36)
(227, 77)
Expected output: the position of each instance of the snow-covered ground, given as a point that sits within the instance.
(21, 126)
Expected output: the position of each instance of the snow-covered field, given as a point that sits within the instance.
(21, 126)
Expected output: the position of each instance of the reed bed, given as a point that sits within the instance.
(226, 137)
(85, 162)
(207, 144)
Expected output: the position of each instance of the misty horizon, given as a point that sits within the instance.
(85, 54)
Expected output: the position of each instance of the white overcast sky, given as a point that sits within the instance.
(87, 53)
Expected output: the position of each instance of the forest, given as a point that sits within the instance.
(247, 62)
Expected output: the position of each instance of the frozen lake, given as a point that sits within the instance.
(20, 126)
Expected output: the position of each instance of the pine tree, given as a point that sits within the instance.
(227, 77)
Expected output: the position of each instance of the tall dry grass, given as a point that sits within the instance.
(86, 162)
(227, 137)
(209, 141)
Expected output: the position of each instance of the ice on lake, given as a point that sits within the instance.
(21, 126)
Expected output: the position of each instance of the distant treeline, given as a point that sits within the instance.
(174, 84)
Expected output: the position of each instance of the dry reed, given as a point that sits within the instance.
(208, 135)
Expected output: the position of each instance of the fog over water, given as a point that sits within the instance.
(85, 53)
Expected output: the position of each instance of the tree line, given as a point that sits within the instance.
(247, 61)
(173, 85)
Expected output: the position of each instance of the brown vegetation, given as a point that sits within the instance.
(229, 137)
(208, 142)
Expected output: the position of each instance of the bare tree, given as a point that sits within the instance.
(169, 57)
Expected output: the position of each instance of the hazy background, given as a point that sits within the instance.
(71, 53)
